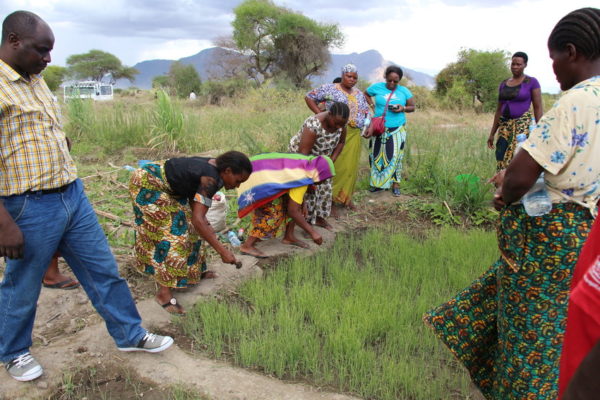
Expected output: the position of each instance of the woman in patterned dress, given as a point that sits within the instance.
(346, 165)
(322, 134)
(508, 326)
(170, 200)
(515, 96)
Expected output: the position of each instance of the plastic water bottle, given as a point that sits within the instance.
(233, 239)
(366, 124)
(537, 200)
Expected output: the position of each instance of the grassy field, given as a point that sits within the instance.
(350, 318)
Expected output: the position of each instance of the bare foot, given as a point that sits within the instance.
(252, 251)
(208, 275)
(322, 222)
(296, 242)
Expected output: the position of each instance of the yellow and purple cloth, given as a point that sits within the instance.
(274, 174)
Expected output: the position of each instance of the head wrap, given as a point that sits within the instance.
(349, 68)
(274, 174)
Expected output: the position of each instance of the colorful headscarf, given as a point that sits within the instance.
(349, 68)
(274, 174)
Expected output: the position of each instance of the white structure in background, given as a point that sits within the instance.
(193, 96)
(88, 90)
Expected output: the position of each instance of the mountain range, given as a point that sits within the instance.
(370, 65)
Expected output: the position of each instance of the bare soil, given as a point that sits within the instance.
(80, 359)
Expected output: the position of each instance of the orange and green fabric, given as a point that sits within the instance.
(507, 327)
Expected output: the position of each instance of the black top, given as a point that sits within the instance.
(184, 174)
(508, 93)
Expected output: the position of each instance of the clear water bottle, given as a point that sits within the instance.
(537, 200)
(233, 239)
(366, 123)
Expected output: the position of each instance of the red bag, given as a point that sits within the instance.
(377, 126)
(378, 123)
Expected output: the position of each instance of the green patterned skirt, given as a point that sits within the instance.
(507, 327)
(166, 243)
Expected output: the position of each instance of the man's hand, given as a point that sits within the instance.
(11, 237)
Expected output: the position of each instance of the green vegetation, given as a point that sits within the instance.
(474, 77)
(282, 42)
(180, 81)
(350, 318)
(54, 76)
(95, 64)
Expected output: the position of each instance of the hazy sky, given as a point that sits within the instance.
(421, 35)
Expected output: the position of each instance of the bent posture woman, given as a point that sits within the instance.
(170, 201)
(322, 134)
(275, 191)
(507, 328)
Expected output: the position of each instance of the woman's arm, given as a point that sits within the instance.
(206, 231)
(294, 211)
(307, 141)
(521, 174)
(538, 107)
(490, 141)
(369, 100)
(312, 105)
(340, 146)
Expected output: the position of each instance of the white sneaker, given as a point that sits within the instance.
(24, 368)
(151, 343)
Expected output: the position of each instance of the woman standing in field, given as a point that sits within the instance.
(170, 200)
(275, 191)
(515, 96)
(507, 328)
(322, 134)
(387, 150)
(346, 165)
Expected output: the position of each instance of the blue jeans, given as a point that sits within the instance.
(65, 222)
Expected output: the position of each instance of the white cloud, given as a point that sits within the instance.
(424, 35)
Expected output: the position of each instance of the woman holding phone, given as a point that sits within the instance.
(387, 150)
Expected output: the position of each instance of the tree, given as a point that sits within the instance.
(96, 64)
(302, 46)
(280, 41)
(184, 79)
(54, 75)
(477, 73)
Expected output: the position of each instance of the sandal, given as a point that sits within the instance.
(172, 307)
(67, 284)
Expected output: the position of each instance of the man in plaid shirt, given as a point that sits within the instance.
(43, 207)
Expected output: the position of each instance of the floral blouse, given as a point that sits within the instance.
(356, 101)
(566, 143)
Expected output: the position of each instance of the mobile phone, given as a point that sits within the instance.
(392, 107)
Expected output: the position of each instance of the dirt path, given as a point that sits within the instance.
(69, 334)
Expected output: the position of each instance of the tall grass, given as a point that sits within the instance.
(350, 319)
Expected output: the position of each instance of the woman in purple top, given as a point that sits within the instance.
(513, 117)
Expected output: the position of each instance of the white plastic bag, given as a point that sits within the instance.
(217, 212)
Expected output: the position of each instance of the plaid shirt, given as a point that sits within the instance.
(33, 148)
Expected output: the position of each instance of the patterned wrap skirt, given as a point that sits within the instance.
(385, 159)
(166, 243)
(507, 327)
(269, 220)
(508, 129)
